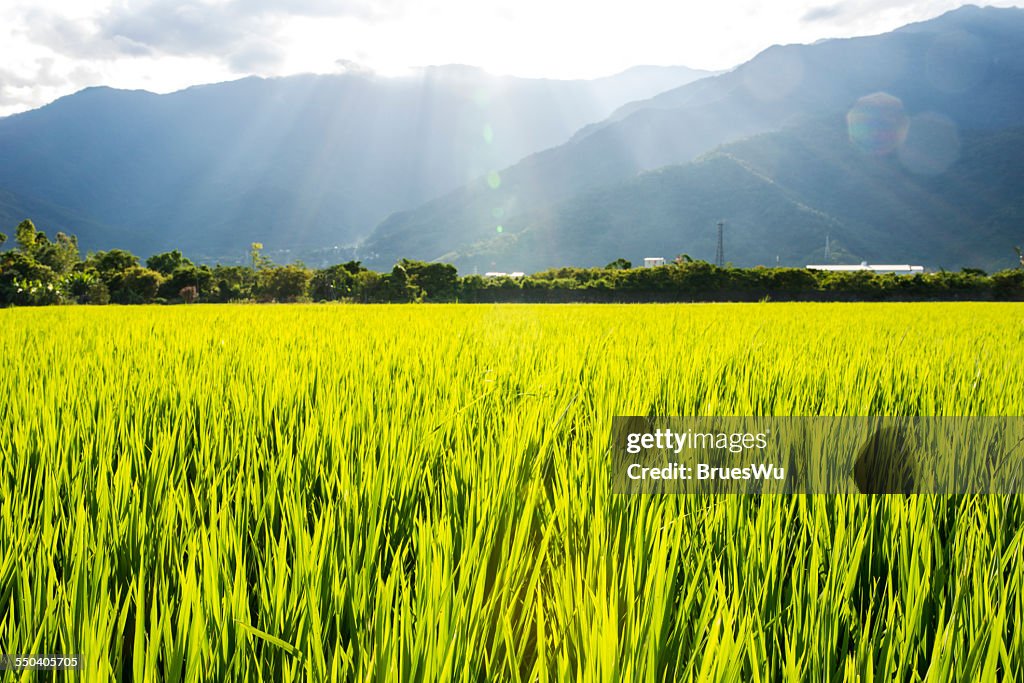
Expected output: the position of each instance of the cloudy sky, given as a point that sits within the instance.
(50, 49)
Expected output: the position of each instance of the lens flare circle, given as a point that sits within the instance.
(877, 123)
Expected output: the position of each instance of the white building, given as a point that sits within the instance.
(653, 262)
(895, 269)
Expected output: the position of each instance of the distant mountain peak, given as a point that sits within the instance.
(963, 16)
(296, 162)
(955, 77)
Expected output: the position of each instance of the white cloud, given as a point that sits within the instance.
(53, 48)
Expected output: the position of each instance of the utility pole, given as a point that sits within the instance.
(828, 249)
(720, 253)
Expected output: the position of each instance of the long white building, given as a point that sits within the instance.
(896, 269)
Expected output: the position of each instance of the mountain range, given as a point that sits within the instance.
(901, 147)
(296, 162)
(594, 197)
(783, 195)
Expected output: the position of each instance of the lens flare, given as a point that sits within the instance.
(488, 133)
(877, 123)
(494, 180)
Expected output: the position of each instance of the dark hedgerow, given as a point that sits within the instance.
(40, 272)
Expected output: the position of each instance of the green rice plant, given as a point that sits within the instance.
(422, 493)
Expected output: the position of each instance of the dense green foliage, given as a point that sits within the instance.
(40, 272)
(422, 493)
(702, 281)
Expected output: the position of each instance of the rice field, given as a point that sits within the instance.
(420, 493)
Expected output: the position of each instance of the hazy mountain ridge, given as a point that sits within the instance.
(967, 64)
(777, 194)
(303, 161)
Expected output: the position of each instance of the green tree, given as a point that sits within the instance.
(77, 284)
(354, 267)
(369, 286)
(398, 287)
(430, 281)
(331, 284)
(233, 283)
(32, 273)
(187, 274)
(26, 235)
(86, 287)
(26, 282)
(98, 294)
(619, 264)
(61, 254)
(3, 238)
(1009, 283)
(787, 280)
(167, 262)
(113, 262)
(138, 285)
(471, 286)
(112, 266)
(259, 261)
(283, 283)
(335, 282)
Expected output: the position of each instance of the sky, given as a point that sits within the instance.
(51, 49)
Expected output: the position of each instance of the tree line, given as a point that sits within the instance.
(39, 271)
